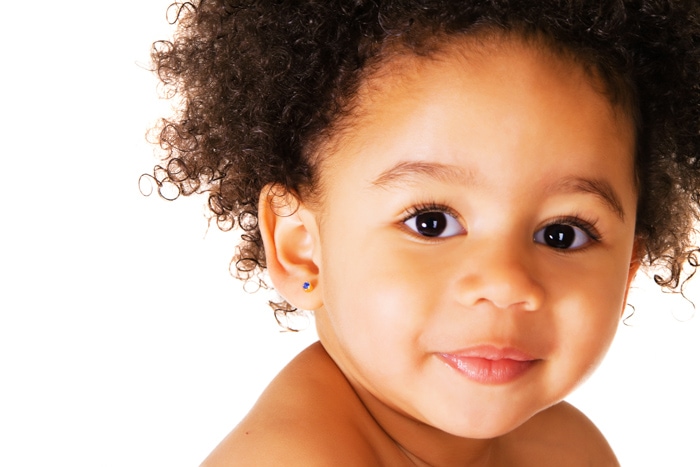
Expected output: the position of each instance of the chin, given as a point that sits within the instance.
(482, 432)
(485, 426)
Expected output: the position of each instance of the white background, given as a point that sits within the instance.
(123, 340)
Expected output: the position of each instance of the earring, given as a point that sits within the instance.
(307, 287)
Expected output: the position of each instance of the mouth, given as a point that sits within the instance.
(489, 364)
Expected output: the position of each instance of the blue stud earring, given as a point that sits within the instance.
(307, 287)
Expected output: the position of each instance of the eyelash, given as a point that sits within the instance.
(587, 225)
(421, 208)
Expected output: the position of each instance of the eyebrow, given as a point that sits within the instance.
(415, 171)
(412, 172)
(595, 186)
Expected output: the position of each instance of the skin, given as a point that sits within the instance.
(506, 138)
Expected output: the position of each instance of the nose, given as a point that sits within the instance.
(501, 277)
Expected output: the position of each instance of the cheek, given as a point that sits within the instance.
(379, 300)
(587, 317)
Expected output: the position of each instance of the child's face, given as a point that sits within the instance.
(476, 237)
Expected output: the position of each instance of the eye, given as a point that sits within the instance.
(564, 236)
(434, 224)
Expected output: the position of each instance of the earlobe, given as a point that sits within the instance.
(290, 234)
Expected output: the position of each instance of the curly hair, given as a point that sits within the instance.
(263, 83)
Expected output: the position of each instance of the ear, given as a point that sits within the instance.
(289, 232)
(635, 262)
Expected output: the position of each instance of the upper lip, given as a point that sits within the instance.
(490, 352)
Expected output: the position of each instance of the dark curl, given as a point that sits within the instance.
(263, 83)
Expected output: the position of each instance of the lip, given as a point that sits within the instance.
(487, 364)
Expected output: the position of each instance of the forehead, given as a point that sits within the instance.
(490, 91)
(489, 65)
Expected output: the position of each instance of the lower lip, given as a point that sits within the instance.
(488, 371)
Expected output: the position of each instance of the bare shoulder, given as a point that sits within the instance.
(309, 415)
(560, 435)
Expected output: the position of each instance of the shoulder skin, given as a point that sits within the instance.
(559, 435)
(308, 416)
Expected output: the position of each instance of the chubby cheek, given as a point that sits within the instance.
(585, 324)
(375, 310)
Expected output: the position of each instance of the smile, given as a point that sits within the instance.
(490, 365)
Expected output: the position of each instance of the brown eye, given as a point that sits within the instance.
(562, 236)
(434, 224)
